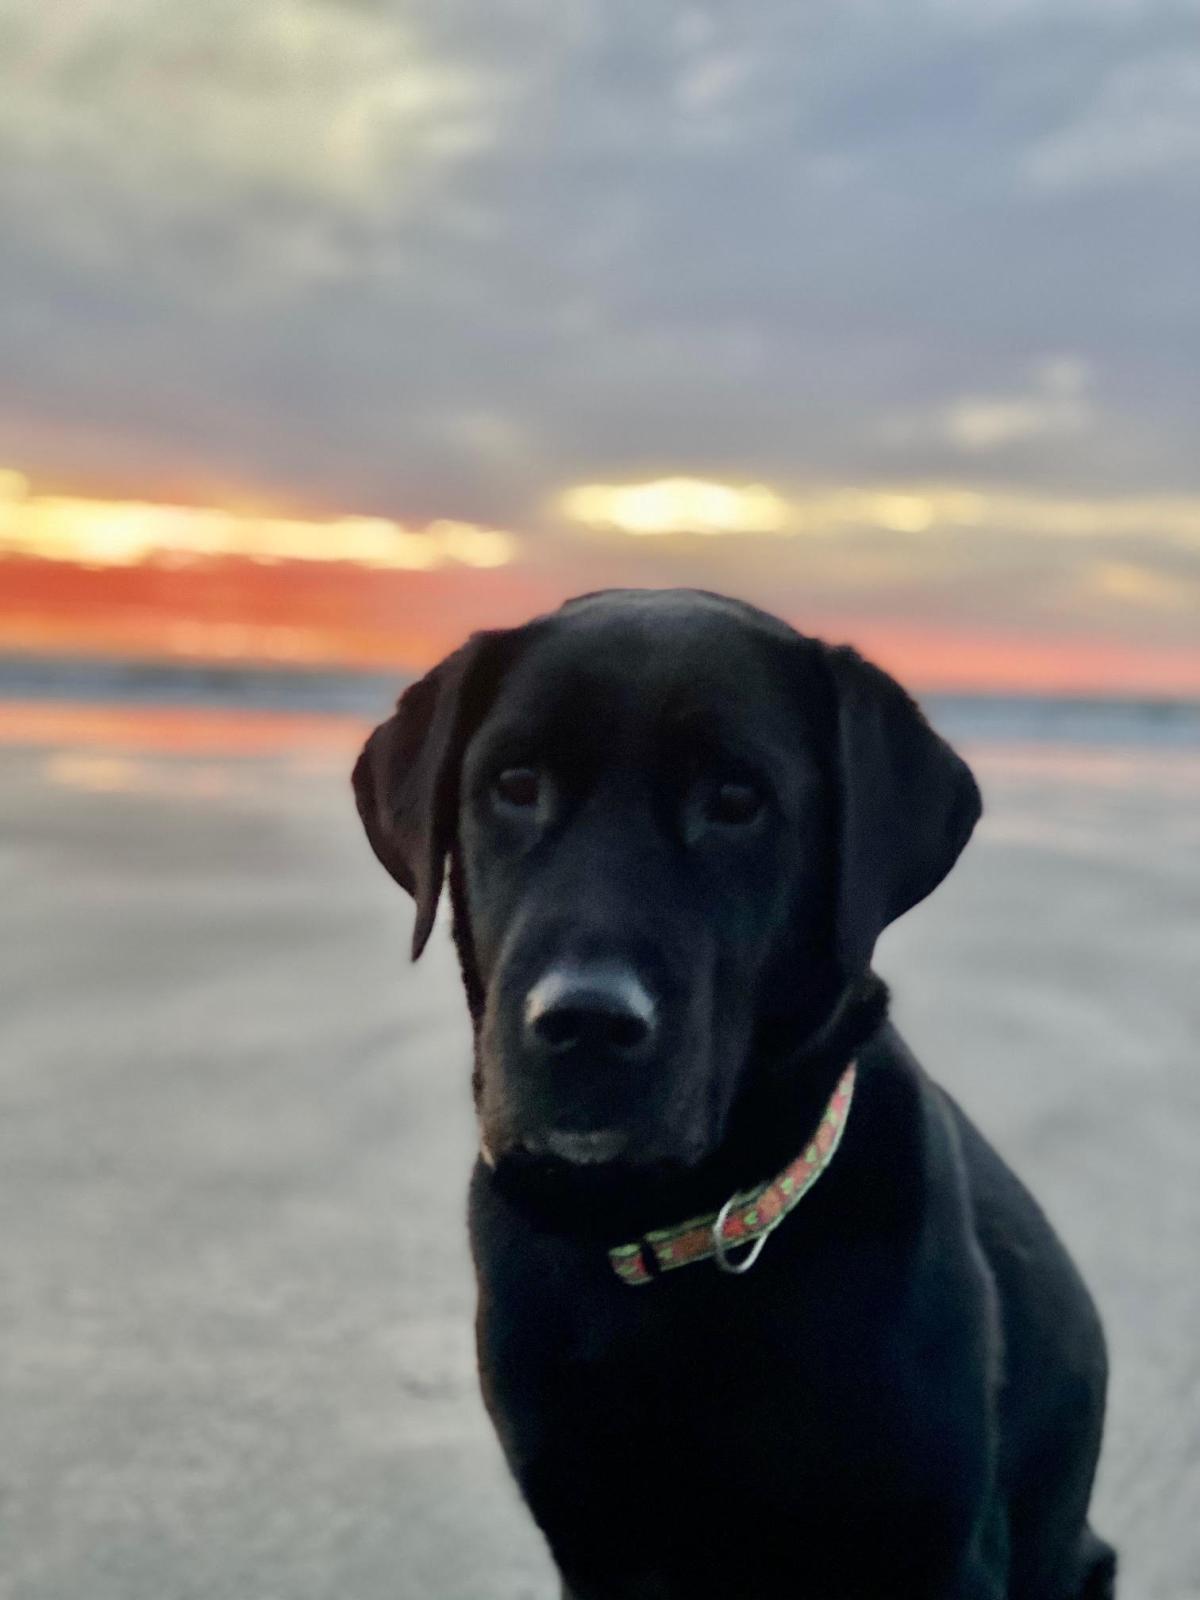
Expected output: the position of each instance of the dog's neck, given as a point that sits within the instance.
(788, 1084)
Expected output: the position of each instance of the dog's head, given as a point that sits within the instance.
(676, 829)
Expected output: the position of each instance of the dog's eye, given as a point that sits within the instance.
(519, 786)
(734, 804)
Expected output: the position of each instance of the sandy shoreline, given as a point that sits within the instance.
(235, 1130)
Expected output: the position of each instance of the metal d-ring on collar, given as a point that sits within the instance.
(721, 1249)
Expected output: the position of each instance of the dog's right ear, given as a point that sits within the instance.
(406, 779)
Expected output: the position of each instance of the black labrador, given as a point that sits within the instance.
(675, 828)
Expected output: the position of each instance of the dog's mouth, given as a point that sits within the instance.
(591, 1184)
(566, 1150)
(585, 1148)
(629, 1155)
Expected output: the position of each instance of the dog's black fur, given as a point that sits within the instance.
(903, 1399)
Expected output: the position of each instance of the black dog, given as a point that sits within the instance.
(675, 829)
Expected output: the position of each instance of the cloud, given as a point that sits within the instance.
(674, 508)
(1055, 405)
(1142, 587)
(676, 505)
(1141, 126)
(275, 130)
(114, 533)
(437, 258)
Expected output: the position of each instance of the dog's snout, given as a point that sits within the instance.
(602, 1008)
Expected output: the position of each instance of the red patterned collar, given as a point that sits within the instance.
(746, 1218)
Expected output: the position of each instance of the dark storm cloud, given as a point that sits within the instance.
(446, 258)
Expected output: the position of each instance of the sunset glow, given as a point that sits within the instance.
(879, 566)
(686, 505)
(677, 505)
(98, 533)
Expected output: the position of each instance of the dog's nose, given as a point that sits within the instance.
(601, 1007)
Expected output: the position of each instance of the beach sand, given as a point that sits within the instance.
(235, 1131)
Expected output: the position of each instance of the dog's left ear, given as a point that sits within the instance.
(907, 804)
(406, 779)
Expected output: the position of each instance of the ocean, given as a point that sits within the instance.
(1021, 719)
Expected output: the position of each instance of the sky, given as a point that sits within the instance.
(332, 329)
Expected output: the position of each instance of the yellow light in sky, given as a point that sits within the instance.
(677, 505)
(691, 505)
(1141, 586)
(124, 533)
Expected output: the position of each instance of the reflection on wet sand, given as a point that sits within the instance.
(177, 729)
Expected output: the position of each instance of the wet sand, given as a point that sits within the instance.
(235, 1357)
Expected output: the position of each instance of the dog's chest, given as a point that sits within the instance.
(728, 1390)
(738, 1436)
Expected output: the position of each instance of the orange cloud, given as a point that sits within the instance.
(292, 613)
